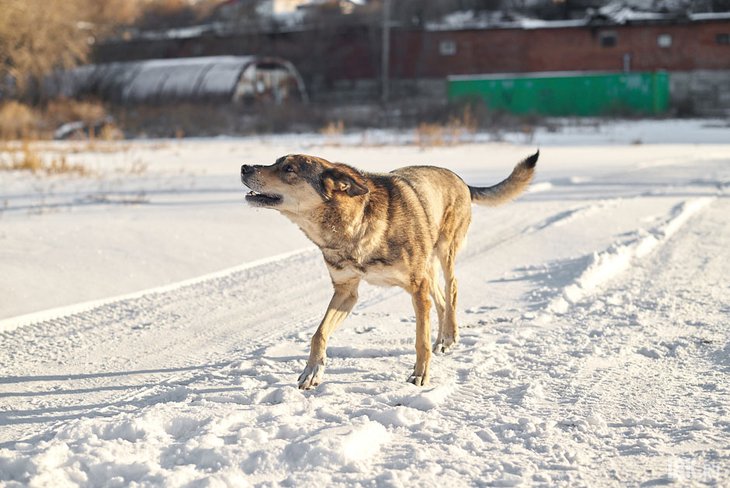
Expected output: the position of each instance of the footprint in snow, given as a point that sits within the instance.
(364, 329)
(480, 310)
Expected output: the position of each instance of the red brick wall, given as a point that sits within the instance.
(416, 54)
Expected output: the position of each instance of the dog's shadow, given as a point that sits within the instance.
(64, 397)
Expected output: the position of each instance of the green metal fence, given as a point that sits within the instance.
(567, 93)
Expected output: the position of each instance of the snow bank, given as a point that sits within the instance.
(605, 265)
(182, 443)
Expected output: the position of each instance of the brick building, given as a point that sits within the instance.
(344, 62)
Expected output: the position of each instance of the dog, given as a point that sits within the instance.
(389, 229)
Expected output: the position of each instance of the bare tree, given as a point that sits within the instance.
(106, 16)
(38, 36)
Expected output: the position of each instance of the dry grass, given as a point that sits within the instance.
(46, 158)
(429, 135)
(333, 132)
(64, 110)
(28, 158)
(458, 129)
(23, 122)
(60, 165)
(18, 121)
(333, 129)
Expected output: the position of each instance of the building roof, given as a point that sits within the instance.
(615, 13)
(201, 78)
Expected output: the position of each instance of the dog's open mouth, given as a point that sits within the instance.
(263, 198)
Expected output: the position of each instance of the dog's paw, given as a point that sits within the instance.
(418, 380)
(443, 345)
(311, 376)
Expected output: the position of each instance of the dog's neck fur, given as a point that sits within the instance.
(341, 231)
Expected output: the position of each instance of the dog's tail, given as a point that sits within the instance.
(509, 188)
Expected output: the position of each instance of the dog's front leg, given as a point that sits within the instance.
(339, 308)
(422, 306)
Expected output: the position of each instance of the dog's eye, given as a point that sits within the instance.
(289, 168)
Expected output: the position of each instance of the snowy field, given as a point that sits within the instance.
(153, 326)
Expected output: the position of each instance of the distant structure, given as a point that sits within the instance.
(227, 79)
(342, 62)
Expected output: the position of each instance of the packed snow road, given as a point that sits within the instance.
(595, 350)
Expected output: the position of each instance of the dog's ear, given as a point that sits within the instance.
(345, 180)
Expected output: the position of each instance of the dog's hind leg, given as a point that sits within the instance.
(422, 306)
(437, 295)
(339, 308)
(448, 331)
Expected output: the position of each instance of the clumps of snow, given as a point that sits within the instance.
(351, 444)
(597, 422)
(524, 394)
(178, 445)
(698, 424)
(605, 265)
(431, 399)
(649, 352)
(284, 394)
(398, 416)
(364, 441)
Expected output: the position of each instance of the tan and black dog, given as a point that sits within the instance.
(393, 229)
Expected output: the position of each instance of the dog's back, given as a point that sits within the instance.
(443, 195)
(446, 199)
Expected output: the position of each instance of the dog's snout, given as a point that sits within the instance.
(246, 169)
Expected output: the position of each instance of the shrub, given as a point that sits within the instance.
(63, 110)
(17, 121)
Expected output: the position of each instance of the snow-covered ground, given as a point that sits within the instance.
(152, 326)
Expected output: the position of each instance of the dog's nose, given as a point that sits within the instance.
(246, 169)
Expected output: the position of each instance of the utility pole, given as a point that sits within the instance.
(385, 55)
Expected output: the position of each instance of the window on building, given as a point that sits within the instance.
(608, 38)
(723, 38)
(447, 48)
(664, 40)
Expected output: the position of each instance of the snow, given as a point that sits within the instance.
(153, 325)
(615, 12)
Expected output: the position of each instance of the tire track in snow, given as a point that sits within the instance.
(12, 323)
(605, 265)
(638, 388)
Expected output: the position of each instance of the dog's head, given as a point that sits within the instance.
(298, 182)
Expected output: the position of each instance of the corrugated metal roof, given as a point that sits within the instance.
(202, 78)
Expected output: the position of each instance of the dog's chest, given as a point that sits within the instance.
(343, 268)
(381, 275)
